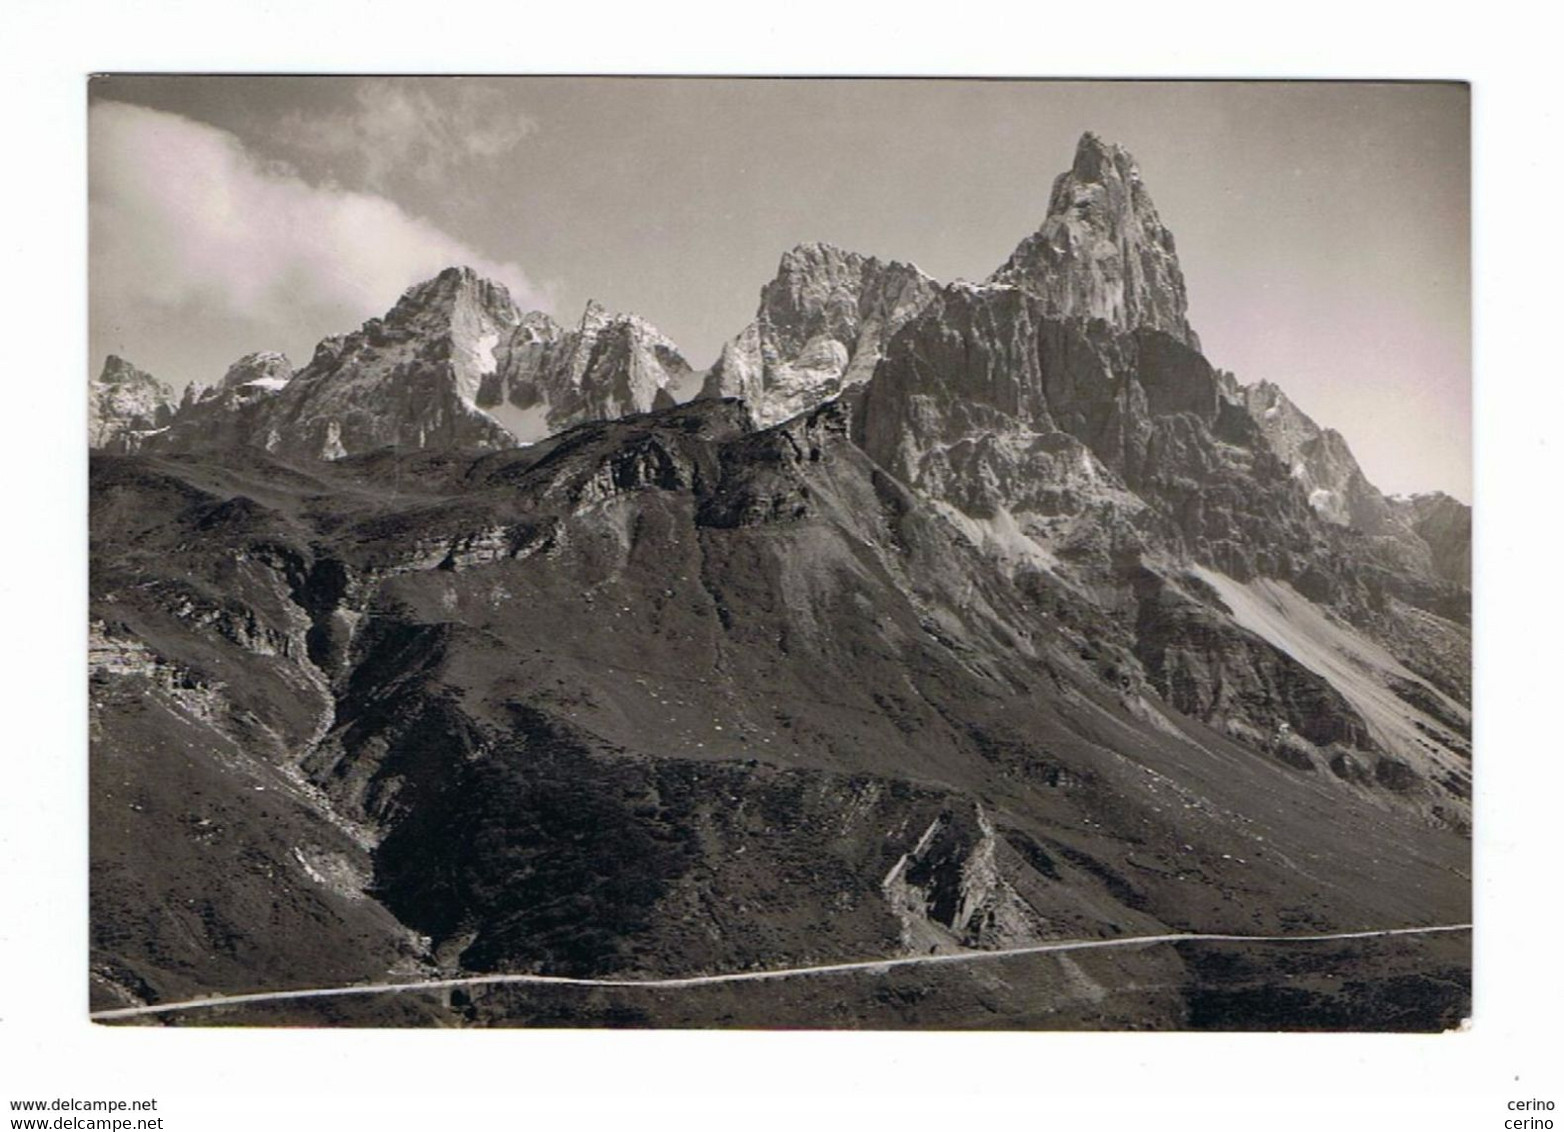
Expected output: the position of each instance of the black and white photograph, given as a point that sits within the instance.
(827, 566)
(779, 553)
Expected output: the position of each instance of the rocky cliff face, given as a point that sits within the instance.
(1106, 453)
(671, 694)
(974, 616)
(1319, 460)
(1102, 251)
(453, 365)
(410, 379)
(607, 366)
(1445, 527)
(126, 405)
(822, 326)
(996, 406)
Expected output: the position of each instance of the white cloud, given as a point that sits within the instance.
(183, 218)
(431, 129)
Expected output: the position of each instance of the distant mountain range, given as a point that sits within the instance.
(931, 616)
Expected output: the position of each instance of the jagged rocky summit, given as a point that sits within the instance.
(829, 316)
(1102, 251)
(949, 617)
(252, 376)
(1444, 524)
(822, 326)
(454, 364)
(125, 406)
(1319, 460)
(607, 366)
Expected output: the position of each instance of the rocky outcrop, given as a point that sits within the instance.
(1445, 526)
(982, 650)
(951, 890)
(125, 406)
(409, 379)
(453, 365)
(607, 366)
(822, 326)
(1208, 667)
(1319, 459)
(995, 406)
(1102, 251)
(225, 415)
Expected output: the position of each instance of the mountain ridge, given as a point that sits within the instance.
(125, 405)
(821, 327)
(444, 367)
(946, 617)
(1102, 251)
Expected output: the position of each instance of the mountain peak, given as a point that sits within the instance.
(807, 256)
(447, 282)
(125, 404)
(595, 316)
(817, 258)
(265, 368)
(1102, 251)
(455, 288)
(822, 326)
(117, 370)
(1095, 158)
(610, 365)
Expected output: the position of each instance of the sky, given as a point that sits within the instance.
(1323, 228)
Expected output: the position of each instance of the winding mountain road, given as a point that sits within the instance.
(876, 966)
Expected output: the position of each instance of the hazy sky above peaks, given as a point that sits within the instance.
(1323, 228)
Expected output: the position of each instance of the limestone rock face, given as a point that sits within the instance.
(1208, 667)
(1319, 460)
(263, 372)
(608, 366)
(125, 405)
(1445, 526)
(225, 415)
(1001, 409)
(991, 408)
(1090, 444)
(453, 365)
(948, 618)
(409, 379)
(251, 378)
(822, 326)
(1102, 251)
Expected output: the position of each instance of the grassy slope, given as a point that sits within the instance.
(857, 650)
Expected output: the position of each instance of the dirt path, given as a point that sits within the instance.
(870, 965)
